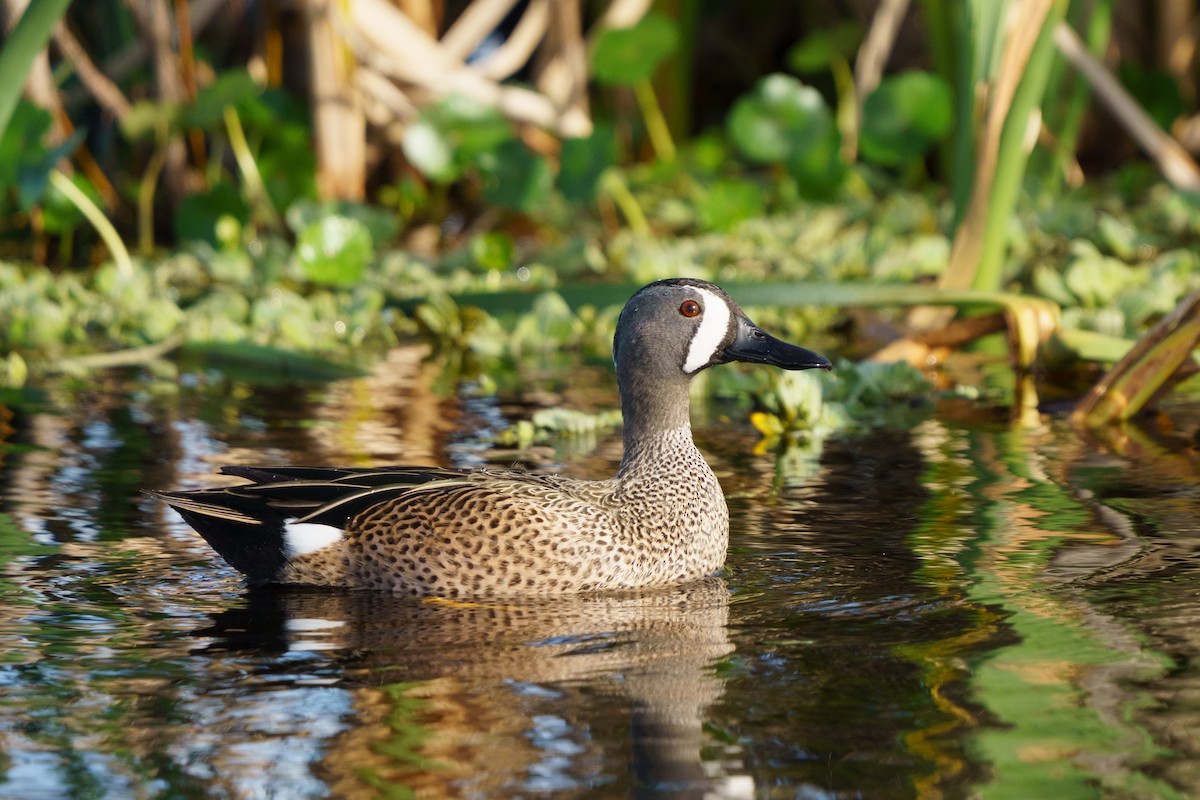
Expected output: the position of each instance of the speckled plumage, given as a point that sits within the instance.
(424, 531)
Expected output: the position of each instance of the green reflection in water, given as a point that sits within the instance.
(403, 747)
(1050, 709)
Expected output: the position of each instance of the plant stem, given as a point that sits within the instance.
(847, 108)
(619, 192)
(249, 169)
(146, 200)
(108, 233)
(656, 123)
(119, 358)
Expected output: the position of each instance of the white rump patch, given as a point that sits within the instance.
(714, 327)
(300, 538)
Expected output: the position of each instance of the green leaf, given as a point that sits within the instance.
(34, 173)
(816, 163)
(904, 117)
(22, 140)
(15, 371)
(47, 324)
(1139, 305)
(1119, 235)
(149, 120)
(493, 251)
(262, 365)
(455, 135)
(624, 56)
(427, 149)
(517, 179)
(381, 223)
(582, 163)
(1157, 92)
(472, 128)
(288, 164)
(288, 318)
(231, 88)
(1049, 283)
(197, 215)
(549, 325)
(728, 202)
(708, 152)
(272, 112)
(821, 48)
(409, 196)
(780, 116)
(21, 45)
(1095, 279)
(335, 250)
(784, 121)
(160, 317)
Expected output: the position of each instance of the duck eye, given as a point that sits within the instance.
(689, 308)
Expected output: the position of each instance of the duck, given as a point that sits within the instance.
(661, 520)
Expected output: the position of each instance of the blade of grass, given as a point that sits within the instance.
(28, 38)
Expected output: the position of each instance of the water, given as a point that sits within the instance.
(963, 609)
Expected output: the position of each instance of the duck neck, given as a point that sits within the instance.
(657, 423)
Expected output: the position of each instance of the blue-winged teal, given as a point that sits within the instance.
(428, 531)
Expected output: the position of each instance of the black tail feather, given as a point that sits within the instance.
(245, 531)
(245, 523)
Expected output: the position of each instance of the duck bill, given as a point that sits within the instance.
(754, 345)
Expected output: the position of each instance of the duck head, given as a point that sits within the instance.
(682, 326)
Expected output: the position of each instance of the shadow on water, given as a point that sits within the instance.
(962, 609)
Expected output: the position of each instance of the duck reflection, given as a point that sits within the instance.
(500, 698)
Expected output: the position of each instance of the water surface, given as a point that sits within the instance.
(962, 609)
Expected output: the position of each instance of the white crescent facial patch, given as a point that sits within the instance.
(714, 327)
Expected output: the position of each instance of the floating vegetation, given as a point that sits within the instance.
(552, 424)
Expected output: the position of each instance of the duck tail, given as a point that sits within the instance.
(245, 531)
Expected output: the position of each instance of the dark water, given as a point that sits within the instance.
(963, 609)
